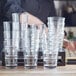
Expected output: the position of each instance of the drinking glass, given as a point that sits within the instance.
(30, 45)
(52, 41)
(10, 58)
(11, 41)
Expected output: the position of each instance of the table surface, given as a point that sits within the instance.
(68, 70)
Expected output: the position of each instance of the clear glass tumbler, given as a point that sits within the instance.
(23, 29)
(15, 37)
(10, 57)
(31, 45)
(11, 41)
(53, 40)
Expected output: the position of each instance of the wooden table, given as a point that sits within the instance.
(68, 70)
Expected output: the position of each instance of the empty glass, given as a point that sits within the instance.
(15, 31)
(23, 34)
(15, 37)
(53, 41)
(10, 58)
(31, 45)
(15, 17)
(11, 41)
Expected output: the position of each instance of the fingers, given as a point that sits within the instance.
(69, 45)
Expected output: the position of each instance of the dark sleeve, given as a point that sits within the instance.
(47, 10)
(52, 8)
(2, 3)
(12, 6)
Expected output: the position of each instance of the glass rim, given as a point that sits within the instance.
(56, 18)
(6, 22)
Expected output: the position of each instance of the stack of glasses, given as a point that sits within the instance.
(11, 41)
(53, 40)
(30, 39)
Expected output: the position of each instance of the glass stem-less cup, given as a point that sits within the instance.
(11, 41)
(53, 41)
(31, 45)
(15, 37)
(10, 54)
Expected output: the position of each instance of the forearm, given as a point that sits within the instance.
(31, 19)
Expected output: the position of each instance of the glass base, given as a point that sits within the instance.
(49, 67)
(30, 62)
(30, 67)
(11, 67)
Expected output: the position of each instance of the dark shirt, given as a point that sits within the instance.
(39, 8)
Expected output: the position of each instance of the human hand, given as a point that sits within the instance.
(69, 45)
(30, 18)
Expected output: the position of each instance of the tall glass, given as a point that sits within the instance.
(15, 37)
(41, 42)
(10, 60)
(31, 45)
(24, 25)
(53, 41)
(15, 31)
(7, 42)
(11, 41)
